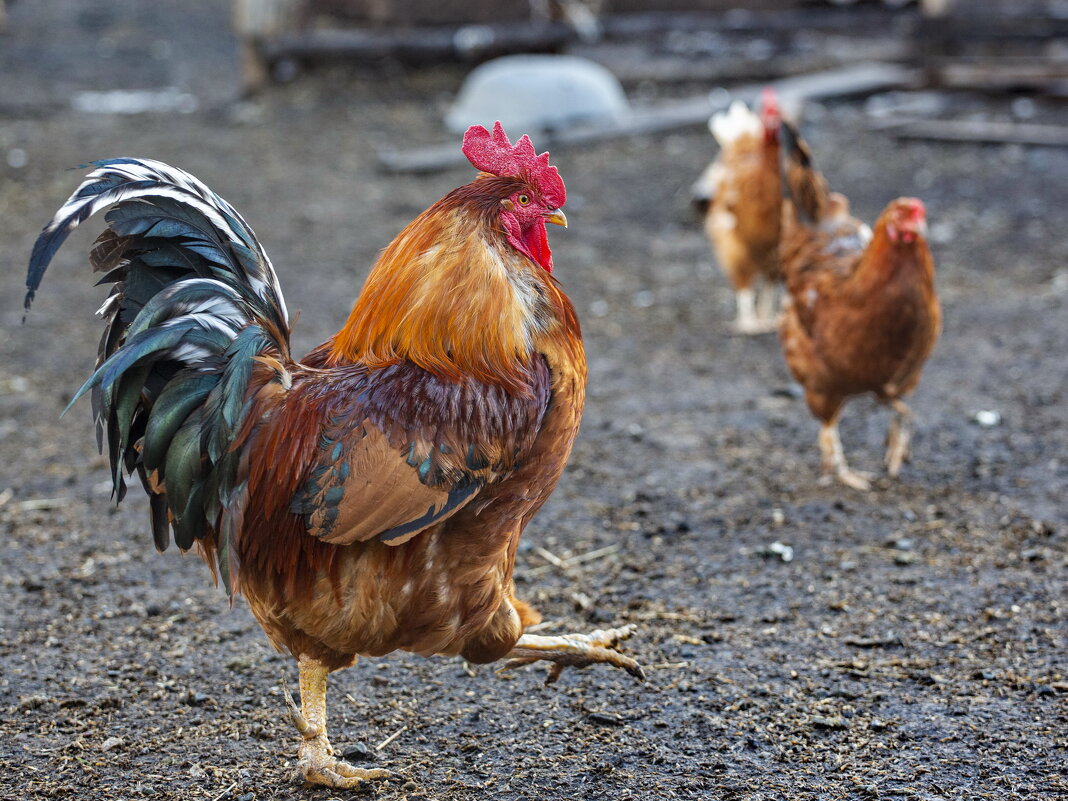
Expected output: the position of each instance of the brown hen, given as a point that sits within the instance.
(863, 315)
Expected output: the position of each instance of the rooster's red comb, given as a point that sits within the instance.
(769, 105)
(493, 153)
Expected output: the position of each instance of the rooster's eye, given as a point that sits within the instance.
(523, 199)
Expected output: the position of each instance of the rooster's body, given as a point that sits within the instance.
(863, 314)
(370, 497)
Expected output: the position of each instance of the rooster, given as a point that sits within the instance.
(863, 315)
(742, 193)
(370, 497)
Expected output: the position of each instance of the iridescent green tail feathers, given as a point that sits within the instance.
(194, 302)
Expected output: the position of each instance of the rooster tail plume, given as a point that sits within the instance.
(194, 303)
(805, 185)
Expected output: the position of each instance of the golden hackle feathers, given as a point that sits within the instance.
(447, 295)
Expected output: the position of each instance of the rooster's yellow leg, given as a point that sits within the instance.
(834, 461)
(574, 650)
(316, 760)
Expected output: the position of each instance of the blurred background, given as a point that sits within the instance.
(804, 641)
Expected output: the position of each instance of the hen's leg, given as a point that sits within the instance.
(316, 760)
(574, 650)
(897, 438)
(833, 458)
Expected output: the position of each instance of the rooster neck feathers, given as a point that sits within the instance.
(452, 296)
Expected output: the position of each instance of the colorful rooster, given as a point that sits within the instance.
(370, 497)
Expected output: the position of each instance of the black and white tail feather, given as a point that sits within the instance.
(194, 301)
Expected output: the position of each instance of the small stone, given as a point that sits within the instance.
(783, 551)
(829, 722)
(605, 718)
(28, 702)
(359, 752)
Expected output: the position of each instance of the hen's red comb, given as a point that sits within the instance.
(493, 153)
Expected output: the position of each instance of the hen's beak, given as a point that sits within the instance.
(556, 217)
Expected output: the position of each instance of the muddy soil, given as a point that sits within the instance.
(913, 647)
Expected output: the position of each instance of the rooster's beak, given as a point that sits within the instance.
(556, 217)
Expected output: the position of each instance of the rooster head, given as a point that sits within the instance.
(535, 198)
(770, 113)
(906, 220)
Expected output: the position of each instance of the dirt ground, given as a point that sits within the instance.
(914, 647)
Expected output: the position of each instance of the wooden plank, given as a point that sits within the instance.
(473, 42)
(853, 80)
(982, 131)
(419, 45)
(990, 27)
(1003, 75)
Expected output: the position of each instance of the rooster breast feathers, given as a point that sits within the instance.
(233, 440)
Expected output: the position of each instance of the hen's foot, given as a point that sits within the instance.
(857, 479)
(834, 462)
(574, 650)
(897, 453)
(897, 438)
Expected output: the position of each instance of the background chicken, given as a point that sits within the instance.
(863, 315)
(371, 497)
(743, 192)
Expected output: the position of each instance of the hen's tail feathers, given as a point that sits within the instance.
(194, 302)
(807, 188)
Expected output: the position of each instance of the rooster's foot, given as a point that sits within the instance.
(316, 760)
(754, 326)
(574, 650)
(318, 766)
(750, 320)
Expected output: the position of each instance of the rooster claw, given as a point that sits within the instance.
(306, 729)
(755, 327)
(574, 650)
